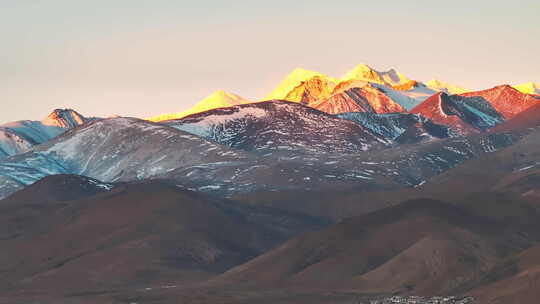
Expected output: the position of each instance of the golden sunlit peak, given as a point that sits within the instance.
(222, 95)
(296, 77)
(364, 72)
(303, 73)
(219, 92)
(357, 72)
(442, 86)
(218, 99)
(362, 67)
(299, 74)
(528, 88)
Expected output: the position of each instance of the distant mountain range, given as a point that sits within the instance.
(332, 191)
(356, 117)
(315, 89)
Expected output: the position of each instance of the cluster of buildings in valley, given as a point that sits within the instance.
(422, 300)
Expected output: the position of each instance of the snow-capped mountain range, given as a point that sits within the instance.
(311, 87)
(314, 88)
(368, 129)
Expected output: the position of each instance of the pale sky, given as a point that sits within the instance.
(147, 57)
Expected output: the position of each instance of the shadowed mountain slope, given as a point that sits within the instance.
(279, 125)
(465, 115)
(516, 280)
(76, 241)
(400, 127)
(374, 253)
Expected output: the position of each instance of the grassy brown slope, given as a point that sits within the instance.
(135, 235)
(529, 118)
(515, 280)
(511, 170)
(360, 251)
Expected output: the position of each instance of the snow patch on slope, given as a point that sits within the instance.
(204, 126)
(405, 101)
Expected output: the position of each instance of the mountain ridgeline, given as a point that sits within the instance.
(368, 187)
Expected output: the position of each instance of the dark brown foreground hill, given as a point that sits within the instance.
(418, 247)
(515, 281)
(63, 237)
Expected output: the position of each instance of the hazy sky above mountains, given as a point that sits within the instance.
(142, 58)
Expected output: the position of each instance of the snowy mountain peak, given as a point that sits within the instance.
(438, 85)
(293, 80)
(528, 88)
(64, 118)
(362, 67)
(19, 136)
(224, 95)
(218, 99)
(363, 72)
(312, 90)
(367, 98)
(506, 99)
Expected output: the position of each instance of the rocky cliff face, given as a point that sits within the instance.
(310, 91)
(365, 99)
(465, 115)
(295, 79)
(506, 100)
(17, 137)
(64, 118)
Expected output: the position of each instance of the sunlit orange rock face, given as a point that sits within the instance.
(364, 72)
(310, 91)
(64, 118)
(297, 80)
(506, 100)
(409, 85)
(364, 89)
(352, 93)
(360, 99)
(348, 84)
(311, 88)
